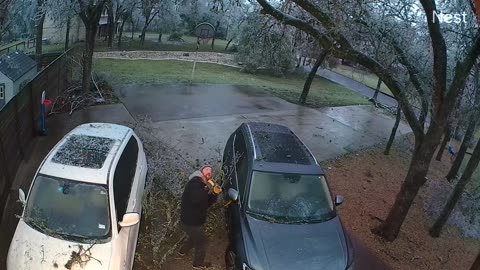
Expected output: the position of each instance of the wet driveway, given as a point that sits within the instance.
(184, 101)
(197, 120)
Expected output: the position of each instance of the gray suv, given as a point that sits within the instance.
(283, 214)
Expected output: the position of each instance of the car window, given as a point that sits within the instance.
(68, 209)
(241, 161)
(123, 177)
(228, 159)
(290, 197)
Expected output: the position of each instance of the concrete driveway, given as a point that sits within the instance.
(197, 120)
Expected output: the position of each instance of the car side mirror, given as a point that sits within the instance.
(129, 219)
(339, 200)
(233, 194)
(21, 196)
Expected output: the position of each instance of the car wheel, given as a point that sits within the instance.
(230, 258)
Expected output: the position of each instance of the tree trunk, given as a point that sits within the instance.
(415, 179)
(304, 60)
(90, 34)
(472, 123)
(299, 61)
(38, 40)
(67, 34)
(160, 36)
(110, 25)
(228, 44)
(215, 33)
(142, 37)
(311, 76)
(133, 28)
(446, 139)
(476, 263)
(452, 173)
(120, 33)
(375, 95)
(457, 192)
(394, 130)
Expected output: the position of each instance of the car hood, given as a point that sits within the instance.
(296, 246)
(32, 250)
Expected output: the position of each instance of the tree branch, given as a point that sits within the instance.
(439, 56)
(462, 71)
(343, 49)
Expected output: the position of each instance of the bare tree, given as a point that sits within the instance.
(377, 90)
(446, 138)
(123, 10)
(5, 16)
(472, 124)
(457, 192)
(311, 75)
(150, 9)
(431, 87)
(61, 12)
(90, 13)
(67, 33)
(111, 23)
(39, 19)
(394, 131)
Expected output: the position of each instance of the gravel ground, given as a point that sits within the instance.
(370, 181)
(209, 57)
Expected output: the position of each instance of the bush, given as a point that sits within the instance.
(175, 36)
(232, 48)
(266, 48)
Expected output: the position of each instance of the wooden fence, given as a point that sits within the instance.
(20, 117)
(14, 47)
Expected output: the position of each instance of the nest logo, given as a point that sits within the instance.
(456, 18)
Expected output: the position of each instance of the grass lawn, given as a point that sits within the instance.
(152, 44)
(361, 76)
(56, 47)
(322, 93)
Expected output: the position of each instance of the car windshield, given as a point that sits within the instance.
(68, 209)
(290, 198)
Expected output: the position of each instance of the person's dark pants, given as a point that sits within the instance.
(197, 240)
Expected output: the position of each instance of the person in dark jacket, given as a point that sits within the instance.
(196, 199)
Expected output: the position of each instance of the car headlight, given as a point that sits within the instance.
(245, 267)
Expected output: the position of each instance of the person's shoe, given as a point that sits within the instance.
(204, 265)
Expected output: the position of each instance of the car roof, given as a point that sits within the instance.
(86, 153)
(277, 149)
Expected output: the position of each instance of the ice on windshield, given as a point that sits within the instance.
(292, 197)
(84, 151)
(68, 209)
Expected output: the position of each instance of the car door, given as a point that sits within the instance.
(124, 176)
(136, 197)
(240, 158)
(227, 164)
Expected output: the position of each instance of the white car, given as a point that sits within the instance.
(84, 204)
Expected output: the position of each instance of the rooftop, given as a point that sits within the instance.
(15, 65)
(86, 153)
(278, 144)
